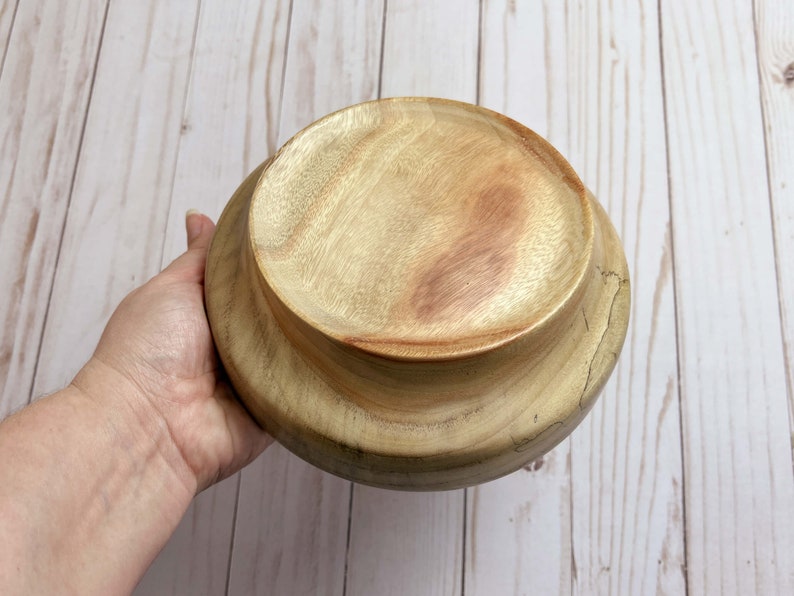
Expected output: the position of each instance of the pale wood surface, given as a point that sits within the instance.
(626, 477)
(8, 10)
(677, 116)
(732, 372)
(775, 42)
(44, 93)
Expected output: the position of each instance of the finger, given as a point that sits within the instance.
(199, 229)
(189, 266)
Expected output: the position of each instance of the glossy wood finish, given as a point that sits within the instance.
(632, 503)
(439, 297)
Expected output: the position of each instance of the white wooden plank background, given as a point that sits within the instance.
(116, 117)
(739, 493)
(775, 41)
(8, 10)
(626, 462)
(44, 92)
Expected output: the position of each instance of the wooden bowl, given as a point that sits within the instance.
(417, 294)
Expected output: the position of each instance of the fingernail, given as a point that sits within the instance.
(193, 225)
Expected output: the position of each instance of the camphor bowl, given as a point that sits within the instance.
(417, 294)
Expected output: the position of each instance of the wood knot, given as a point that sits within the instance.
(788, 74)
(535, 465)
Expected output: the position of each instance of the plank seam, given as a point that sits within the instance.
(573, 576)
(382, 47)
(234, 528)
(675, 296)
(284, 74)
(478, 91)
(68, 204)
(8, 38)
(465, 514)
(188, 88)
(349, 533)
(766, 123)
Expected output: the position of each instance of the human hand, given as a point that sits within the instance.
(157, 352)
(94, 478)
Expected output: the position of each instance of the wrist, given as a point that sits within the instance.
(131, 417)
(79, 471)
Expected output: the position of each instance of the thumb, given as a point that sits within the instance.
(199, 230)
(190, 264)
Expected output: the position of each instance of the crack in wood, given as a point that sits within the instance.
(621, 282)
(524, 444)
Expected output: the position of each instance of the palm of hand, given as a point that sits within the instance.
(160, 341)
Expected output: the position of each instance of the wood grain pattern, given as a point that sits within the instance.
(471, 251)
(235, 81)
(8, 9)
(44, 91)
(413, 548)
(418, 393)
(775, 40)
(442, 37)
(332, 61)
(626, 469)
(291, 533)
(739, 491)
(523, 67)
